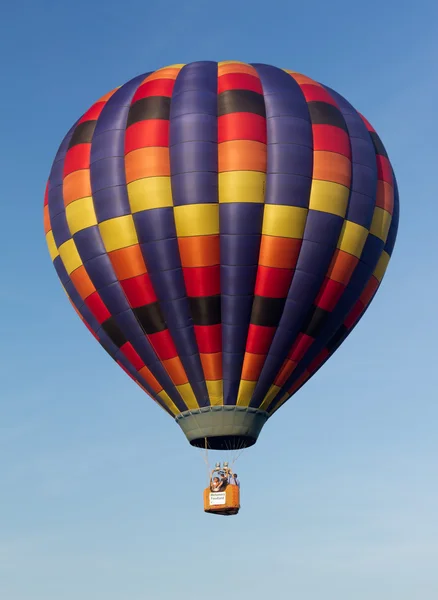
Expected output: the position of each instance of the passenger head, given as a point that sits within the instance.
(215, 479)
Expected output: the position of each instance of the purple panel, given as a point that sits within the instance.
(177, 313)
(168, 285)
(100, 271)
(240, 218)
(195, 187)
(193, 101)
(290, 130)
(290, 158)
(61, 231)
(108, 172)
(315, 259)
(114, 298)
(242, 248)
(234, 337)
(163, 255)
(154, 224)
(321, 225)
(62, 273)
(110, 203)
(194, 156)
(238, 280)
(288, 189)
(89, 243)
(56, 203)
(193, 127)
(235, 312)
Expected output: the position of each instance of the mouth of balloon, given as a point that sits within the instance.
(224, 427)
(224, 442)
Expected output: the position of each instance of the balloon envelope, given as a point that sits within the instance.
(220, 228)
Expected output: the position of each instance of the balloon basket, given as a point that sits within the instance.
(225, 503)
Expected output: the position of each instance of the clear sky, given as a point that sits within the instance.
(100, 494)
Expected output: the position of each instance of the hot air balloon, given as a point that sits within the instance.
(220, 228)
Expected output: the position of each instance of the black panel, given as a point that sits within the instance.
(337, 339)
(232, 101)
(267, 311)
(378, 146)
(83, 134)
(206, 310)
(114, 332)
(315, 321)
(153, 107)
(322, 113)
(150, 318)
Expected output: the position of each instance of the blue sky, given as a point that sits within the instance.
(100, 494)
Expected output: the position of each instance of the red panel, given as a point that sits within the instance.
(163, 344)
(384, 171)
(97, 307)
(156, 87)
(209, 338)
(259, 339)
(202, 281)
(318, 360)
(370, 290)
(139, 290)
(144, 134)
(77, 158)
(46, 194)
(331, 139)
(239, 81)
(135, 360)
(300, 347)
(354, 314)
(241, 126)
(272, 282)
(92, 113)
(329, 294)
(315, 93)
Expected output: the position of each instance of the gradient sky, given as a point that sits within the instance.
(100, 494)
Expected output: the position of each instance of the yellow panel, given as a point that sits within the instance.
(273, 391)
(188, 396)
(149, 192)
(352, 238)
(329, 197)
(381, 266)
(196, 219)
(380, 224)
(242, 186)
(80, 214)
(284, 221)
(118, 233)
(70, 256)
(215, 392)
(168, 402)
(53, 250)
(246, 389)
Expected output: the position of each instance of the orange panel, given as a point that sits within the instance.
(47, 224)
(342, 267)
(285, 372)
(175, 370)
(330, 166)
(212, 366)
(82, 282)
(233, 67)
(150, 379)
(76, 185)
(385, 196)
(147, 162)
(199, 251)
(252, 366)
(242, 155)
(128, 262)
(279, 252)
